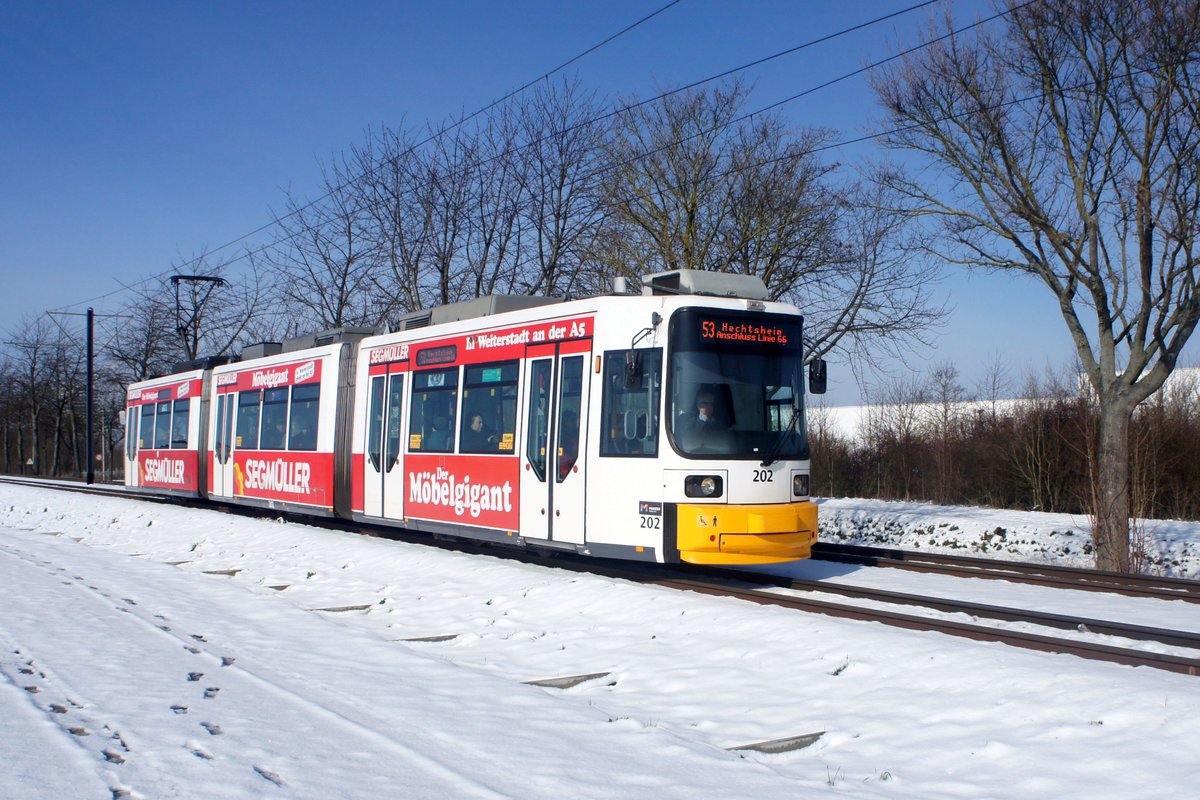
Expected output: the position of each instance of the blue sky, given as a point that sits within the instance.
(136, 134)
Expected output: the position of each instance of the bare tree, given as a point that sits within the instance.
(1065, 147)
(324, 266)
(38, 349)
(10, 412)
(562, 203)
(392, 184)
(149, 339)
(993, 383)
(442, 192)
(493, 214)
(145, 342)
(874, 295)
(947, 396)
(667, 185)
(696, 184)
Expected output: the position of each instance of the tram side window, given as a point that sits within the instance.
(247, 419)
(146, 428)
(274, 419)
(632, 394)
(227, 431)
(394, 422)
(302, 421)
(431, 413)
(179, 423)
(375, 429)
(131, 433)
(133, 429)
(489, 408)
(162, 425)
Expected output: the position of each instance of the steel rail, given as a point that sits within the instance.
(1021, 571)
(1003, 613)
(981, 633)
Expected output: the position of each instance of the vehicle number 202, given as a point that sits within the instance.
(763, 476)
(651, 522)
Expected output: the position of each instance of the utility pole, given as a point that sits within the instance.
(91, 394)
(90, 472)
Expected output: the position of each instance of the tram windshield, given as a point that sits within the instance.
(735, 385)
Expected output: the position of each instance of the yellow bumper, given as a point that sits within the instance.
(758, 534)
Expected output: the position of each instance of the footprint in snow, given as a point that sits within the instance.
(178, 709)
(269, 775)
(199, 752)
(212, 728)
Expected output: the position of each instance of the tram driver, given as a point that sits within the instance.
(703, 428)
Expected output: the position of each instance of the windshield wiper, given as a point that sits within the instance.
(785, 434)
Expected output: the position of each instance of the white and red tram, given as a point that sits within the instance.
(568, 425)
(162, 433)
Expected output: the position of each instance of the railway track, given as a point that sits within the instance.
(1023, 572)
(1083, 641)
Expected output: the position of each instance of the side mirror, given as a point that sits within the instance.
(633, 369)
(817, 376)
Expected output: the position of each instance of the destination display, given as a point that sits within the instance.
(757, 333)
(697, 329)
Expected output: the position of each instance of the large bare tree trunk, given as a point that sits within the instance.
(1110, 479)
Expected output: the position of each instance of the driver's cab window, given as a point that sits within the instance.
(632, 394)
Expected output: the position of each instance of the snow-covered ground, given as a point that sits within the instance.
(154, 651)
(1169, 548)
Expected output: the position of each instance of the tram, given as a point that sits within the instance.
(667, 426)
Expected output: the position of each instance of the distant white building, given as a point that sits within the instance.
(851, 421)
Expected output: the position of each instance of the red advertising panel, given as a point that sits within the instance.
(476, 348)
(358, 491)
(300, 372)
(173, 391)
(169, 469)
(468, 490)
(292, 477)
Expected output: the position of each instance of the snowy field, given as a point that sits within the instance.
(1170, 548)
(149, 651)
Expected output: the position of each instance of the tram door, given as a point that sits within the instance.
(222, 471)
(553, 466)
(133, 472)
(383, 482)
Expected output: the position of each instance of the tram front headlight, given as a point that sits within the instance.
(703, 486)
(800, 484)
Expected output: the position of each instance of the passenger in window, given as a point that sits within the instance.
(302, 436)
(439, 435)
(477, 438)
